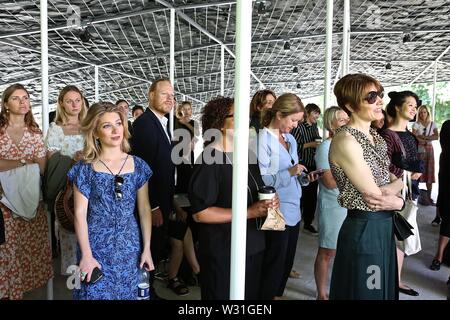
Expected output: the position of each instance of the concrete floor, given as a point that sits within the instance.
(416, 273)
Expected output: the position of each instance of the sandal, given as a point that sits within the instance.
(178, 287)
(294, 274)
(435, 265)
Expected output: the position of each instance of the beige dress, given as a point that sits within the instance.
(25, 257)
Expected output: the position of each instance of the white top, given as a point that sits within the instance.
(56, 140)
(163, 121)
(429, 128)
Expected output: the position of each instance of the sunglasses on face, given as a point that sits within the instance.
(118, 183)
(372, 96)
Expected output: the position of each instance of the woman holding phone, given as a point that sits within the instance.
(107, 184)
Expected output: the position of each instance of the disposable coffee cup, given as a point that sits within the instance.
(266, 193)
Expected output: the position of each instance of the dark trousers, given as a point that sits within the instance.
(290, 255)
(215, 276)
(158, 243)
(278, 261)
(308, 202)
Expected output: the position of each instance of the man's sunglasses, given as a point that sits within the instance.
(372, 96)
(118, 183)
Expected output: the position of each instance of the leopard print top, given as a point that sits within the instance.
(378, 161)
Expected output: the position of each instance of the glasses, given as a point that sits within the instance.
(230, 115)
(118, 183)
(372, 96)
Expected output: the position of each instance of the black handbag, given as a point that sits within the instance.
(402, 228)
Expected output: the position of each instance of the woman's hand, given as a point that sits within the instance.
(260, 207)
(146, 260)
(383, 202)
(313, 176)
(78, 156)
(415, 175)
(296, 170)
(87, 264)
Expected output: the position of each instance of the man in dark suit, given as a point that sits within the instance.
(152, 142)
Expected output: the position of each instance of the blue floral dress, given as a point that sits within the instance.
(114, 235)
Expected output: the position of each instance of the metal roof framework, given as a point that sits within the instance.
(130, 42)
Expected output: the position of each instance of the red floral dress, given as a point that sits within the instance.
(25, 257)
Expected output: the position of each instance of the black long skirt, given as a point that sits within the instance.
(365, 267)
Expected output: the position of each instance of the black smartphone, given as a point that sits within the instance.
(95, 276)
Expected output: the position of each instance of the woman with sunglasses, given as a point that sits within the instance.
(402, 152)
(365, 262)
(107, 184)
(426, 132)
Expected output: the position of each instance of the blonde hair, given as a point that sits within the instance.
(428, 119)
(330, 116)
(61, 114)
(286, 104)
(90, 125)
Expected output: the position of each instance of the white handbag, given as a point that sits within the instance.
(410, 245)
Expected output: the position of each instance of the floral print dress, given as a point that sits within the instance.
(25, 257)
(114, 234)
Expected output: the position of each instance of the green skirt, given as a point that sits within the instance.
(365, 266)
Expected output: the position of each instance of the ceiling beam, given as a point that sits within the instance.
(55, 55)
(430, 65)
(206, 32)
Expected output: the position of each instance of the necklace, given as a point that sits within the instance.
(118, 180)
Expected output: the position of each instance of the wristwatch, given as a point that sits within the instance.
(22, 162)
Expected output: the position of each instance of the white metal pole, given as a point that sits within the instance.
(44, 99)
(222, 70)
(172, 62)
(328, 53)
(97, 97)
(345, 38)
(240, 150)
(433, 101)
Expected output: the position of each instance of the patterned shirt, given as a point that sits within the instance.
(303, 134)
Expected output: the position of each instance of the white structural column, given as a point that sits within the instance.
(240, 150)
(346, 39)
(433, 101)
(172, 63)
(222, 70)
(328, 52)
(97, 97)
(44, 99)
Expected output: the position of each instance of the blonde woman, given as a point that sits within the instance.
(330, 214)
(106, 186)
(64, 136)
(426, 131)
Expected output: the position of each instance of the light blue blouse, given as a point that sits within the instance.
(274, 162)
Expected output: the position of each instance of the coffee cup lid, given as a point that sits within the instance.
(267, 189)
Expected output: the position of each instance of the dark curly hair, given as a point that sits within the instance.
(214, 114)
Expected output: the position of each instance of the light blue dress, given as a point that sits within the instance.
(114, 234)
(331, 214)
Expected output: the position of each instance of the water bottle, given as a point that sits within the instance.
(143, 285)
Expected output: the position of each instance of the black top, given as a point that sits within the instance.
(211, 186)
(305, 133)
(255, 122)
(443, 201)
(411, 161)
